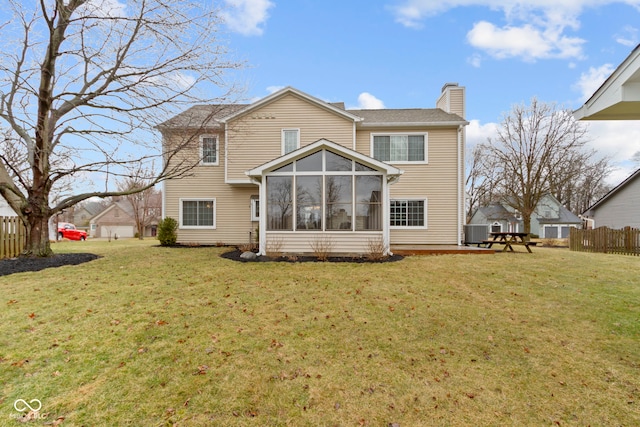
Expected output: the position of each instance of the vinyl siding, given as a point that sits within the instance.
(233, 208)
(621, 209)
(436, 181)
(343, 243)
(452, 100)
(256, 137)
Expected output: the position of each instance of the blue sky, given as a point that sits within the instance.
(399, 53)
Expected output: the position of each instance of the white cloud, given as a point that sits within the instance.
(246, 16)
(274, 89)
(475, 60)
(478, 133)
(618, 140)
(103, 9)
(590, 82)
(533, 30)
(628, 36)
(366, 101)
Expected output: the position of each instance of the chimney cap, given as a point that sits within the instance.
(451, 84)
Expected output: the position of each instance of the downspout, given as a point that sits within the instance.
(460, 181)
(226, 150)
(354, 137)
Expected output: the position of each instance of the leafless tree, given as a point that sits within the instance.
(83, 84)
(538, 149)
(587, 187)
(481, 180)
(146, 204)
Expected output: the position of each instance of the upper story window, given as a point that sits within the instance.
(398, 147)
(290, 140)
(209, 149)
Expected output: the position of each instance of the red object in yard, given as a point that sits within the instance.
(69, 231)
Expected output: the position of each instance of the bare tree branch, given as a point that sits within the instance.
(84, 85)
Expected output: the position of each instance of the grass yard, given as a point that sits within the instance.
(150, 336)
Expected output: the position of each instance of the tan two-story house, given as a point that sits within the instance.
(292, 172)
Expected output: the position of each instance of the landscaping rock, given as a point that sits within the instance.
(248, 255)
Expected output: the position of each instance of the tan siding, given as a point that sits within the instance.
(456, 101)
(452, 100)
(436, 181)
(256, 138)
(344, 243)
(233, 208)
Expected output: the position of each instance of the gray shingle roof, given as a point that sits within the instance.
(208, 115)
(201, 116)
(407, 116)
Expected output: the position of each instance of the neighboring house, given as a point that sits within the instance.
(84, 212)
(549, 220)
(117, 220)
(496, 218)
(5, 209)
(617, 99)
(301, 171)
(618, 208)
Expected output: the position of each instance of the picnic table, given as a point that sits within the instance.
(509, 239)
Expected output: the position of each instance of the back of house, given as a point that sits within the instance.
(290, 171)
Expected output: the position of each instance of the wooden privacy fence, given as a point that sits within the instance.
(606, 240)
(12, 236)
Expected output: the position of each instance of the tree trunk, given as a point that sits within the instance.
(38, 243)
(526, 222)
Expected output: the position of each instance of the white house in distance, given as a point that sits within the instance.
(5, 209)
(617, 99)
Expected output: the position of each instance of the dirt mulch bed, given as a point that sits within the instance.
(235, 256)
(23, 264)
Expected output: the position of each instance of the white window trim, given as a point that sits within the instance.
(404, 162)
(409, 227)
(282, 147)
(255, 201)
(198, 227)
(200, 147)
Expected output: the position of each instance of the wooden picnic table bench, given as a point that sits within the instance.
(509, 239)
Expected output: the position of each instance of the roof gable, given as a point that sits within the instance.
(618, 98)
(613, 191)
(333, 107)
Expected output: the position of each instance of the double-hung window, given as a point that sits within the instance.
(209, 149)
(290, 140)
(197, 213)
(408, 213)
(398, 147)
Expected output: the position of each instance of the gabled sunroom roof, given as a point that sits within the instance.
(324, 144)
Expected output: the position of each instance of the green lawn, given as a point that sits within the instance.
(158, 336)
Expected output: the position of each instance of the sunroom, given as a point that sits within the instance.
(324, 197)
